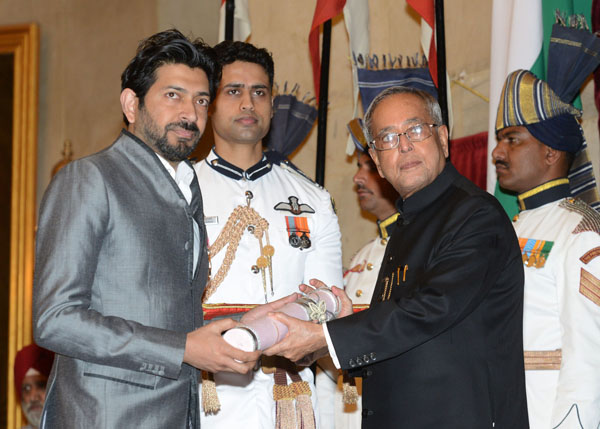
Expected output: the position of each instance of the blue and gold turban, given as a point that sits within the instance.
(544, 108)
(530, 102)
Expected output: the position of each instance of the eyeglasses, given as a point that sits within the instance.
(416, 133)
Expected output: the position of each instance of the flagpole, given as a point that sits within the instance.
(229, 12)
(323, 101)
(440, 41)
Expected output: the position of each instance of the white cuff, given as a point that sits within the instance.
(334, 357)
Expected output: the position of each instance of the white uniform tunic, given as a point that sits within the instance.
(360, 279)
(359, 283)
(561, 312)
(247, 400)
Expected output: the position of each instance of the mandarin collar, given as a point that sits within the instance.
(545, 193)
(218, 164)
(424, 197)
(385, 226)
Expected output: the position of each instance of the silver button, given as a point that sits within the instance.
(186, 246)
(352, 363)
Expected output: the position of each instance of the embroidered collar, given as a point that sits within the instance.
(386, 225)
(423, 197)
(544, 194)
(218, 164)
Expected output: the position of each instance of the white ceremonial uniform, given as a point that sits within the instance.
(359, 283)
(282, 196)
(360, 279)
(560, 243)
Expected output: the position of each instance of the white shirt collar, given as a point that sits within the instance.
(183, 176)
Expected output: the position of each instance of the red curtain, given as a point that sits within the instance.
(469, 156)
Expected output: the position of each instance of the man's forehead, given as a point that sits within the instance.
(511, 131)
(400, 110)
(32, 379)
(181, 77)
(244, 72)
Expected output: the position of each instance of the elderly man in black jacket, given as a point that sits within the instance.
(441, 345)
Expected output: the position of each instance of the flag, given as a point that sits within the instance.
(426, 9)
(324, 11)
(241, 21)
(356, 18)
(520, 39)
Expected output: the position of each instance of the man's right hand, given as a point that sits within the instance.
(206, 349)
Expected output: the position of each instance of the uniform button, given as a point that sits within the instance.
(383, 241)
(352, 363)
(366, 359)
(186, 246)
(391, 258)
(373, 356)
(367, 373)
(370, 266)
(255, 269)
(359, 360)
(366, 413)
(359, 293)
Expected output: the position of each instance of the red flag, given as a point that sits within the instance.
(325, 10)
(426, 8)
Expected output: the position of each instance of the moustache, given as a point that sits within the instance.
(34, 404)
(502, 163)
(188, 126)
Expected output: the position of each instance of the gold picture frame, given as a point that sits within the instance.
(22, 41)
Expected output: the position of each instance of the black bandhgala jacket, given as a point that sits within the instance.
(441, 345)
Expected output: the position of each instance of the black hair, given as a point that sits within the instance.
(229, 52)
(168, 47)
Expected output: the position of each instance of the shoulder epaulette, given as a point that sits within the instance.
(590, 218)
(277, 158)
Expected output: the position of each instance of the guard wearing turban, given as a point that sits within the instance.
(539, 135)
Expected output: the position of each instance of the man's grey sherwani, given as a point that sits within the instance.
(114, 293)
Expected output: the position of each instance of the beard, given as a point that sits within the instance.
(160, 143)
(33, 413)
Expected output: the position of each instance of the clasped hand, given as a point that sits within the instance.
(305, 341)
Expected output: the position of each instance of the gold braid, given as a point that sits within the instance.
(241, 218)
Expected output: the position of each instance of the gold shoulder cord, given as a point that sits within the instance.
(241, 218)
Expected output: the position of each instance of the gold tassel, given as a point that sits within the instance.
(349, 394)
(210, 398)
(285, 417)
(304, 412)
(349, 390)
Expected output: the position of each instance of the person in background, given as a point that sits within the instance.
(537, 138)
(377, 197)
(31, 372)
(270, 228)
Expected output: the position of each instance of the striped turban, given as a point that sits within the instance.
(530, 102)
(544, 107)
